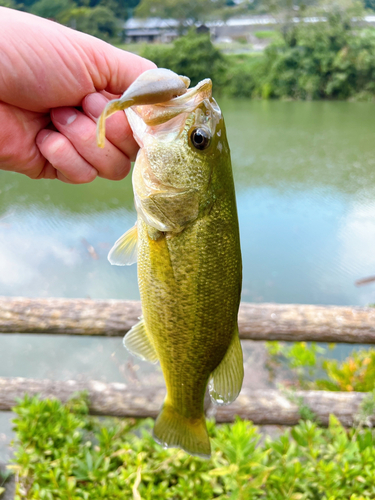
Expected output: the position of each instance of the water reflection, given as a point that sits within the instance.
(302, 145)
(54, 253)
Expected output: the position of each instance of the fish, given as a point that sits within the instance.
(187, 247)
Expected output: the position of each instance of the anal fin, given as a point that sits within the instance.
(124, 251)
(139, 343)
(226, 380)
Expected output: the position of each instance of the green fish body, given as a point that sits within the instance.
(186, 242)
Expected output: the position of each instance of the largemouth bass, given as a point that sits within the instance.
(186, 242)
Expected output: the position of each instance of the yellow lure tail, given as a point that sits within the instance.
(173, 430)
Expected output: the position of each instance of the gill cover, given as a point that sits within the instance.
(173, 169)
(158, 105)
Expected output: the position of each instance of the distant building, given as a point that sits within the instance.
(151, 30)
(166, 30)
(235, 28)
(202, 28)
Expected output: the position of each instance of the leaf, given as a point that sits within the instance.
(137, 482)
(224, 471)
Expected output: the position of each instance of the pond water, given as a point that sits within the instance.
(305, 179)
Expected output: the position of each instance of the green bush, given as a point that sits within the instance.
(331, 59)
(192, 55)
(310, 369)
(266, 34)
(62, 453)
(52, 10)
(242, 78)
(98, 21)
(324, 60)
(357, 373)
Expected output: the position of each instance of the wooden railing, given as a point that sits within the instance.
(288, 322)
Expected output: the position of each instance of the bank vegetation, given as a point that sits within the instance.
(330, 59)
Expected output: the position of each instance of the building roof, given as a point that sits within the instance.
(150, 23)
(163, 24)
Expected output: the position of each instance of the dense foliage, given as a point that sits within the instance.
(101, 18)
(333, 59)
(309, 367)
(184, 11)
(62, 453)
(192, 55)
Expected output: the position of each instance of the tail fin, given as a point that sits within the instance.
(173, 430)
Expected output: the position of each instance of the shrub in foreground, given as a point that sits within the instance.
(62, 453)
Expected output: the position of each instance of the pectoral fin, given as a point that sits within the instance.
(138, 343)
(226, 380)
(124, 251)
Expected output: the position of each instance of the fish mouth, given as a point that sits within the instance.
(151, 87)
(156, 96)
(156, 114)
(170, 116)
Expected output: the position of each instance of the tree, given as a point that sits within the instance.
(184, 11)
(52, 9)
(8, 3)
(192, 55)
(369, 4)
(120, 8)
(98, 21)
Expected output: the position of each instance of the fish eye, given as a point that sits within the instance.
(200, 138)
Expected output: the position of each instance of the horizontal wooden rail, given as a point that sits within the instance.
(290, 322)
(263, 407)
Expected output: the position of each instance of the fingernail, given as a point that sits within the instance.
(94, 104)
(42, 136)
(64, 116)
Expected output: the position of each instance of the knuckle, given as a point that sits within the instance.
(121, 171)
(87, 138)
(90, 176)
(57, 147)
(82, 175)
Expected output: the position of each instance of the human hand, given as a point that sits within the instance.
(54, 83)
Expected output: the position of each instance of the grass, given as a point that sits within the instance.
(138, 48)
(267, 34)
